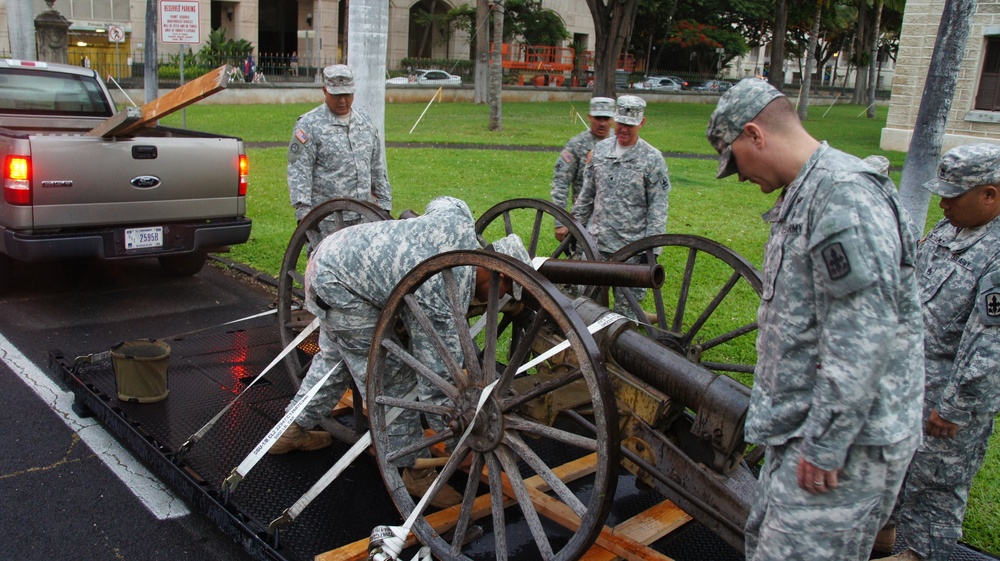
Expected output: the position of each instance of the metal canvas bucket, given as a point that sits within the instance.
(141, 370)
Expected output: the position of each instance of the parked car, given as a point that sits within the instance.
(428, 78)
(659, 84)
(714, 86)
(684, 83)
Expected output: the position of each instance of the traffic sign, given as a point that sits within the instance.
(179, 22)
(116, 34)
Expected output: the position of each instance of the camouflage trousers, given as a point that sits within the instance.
(346, 331)
(932, 503)
(786, 522)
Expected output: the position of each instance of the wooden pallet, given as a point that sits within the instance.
(628, 540)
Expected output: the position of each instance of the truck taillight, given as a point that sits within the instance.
(244, 170)
(17, 180)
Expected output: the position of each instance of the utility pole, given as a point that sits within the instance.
(481, 31)
(935, 104)
(367, 40)
(21, 28)
(496, 69)
(150, 68)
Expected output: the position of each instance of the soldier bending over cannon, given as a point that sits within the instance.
(348, 280)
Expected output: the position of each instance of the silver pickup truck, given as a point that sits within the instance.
(158, 192)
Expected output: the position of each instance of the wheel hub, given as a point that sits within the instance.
(487, 432)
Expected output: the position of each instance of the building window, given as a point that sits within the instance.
(988, 96)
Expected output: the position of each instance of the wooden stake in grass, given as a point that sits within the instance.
(439, 93)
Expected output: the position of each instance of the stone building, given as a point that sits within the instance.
(975, 110)
(313, 29)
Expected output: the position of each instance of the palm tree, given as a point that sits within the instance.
(810, 61)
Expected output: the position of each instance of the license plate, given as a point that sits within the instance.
(137, 238)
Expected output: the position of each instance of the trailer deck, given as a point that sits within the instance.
(208, 370)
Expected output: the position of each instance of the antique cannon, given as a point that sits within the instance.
(550, 395)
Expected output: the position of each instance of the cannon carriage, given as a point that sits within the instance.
(557, 378)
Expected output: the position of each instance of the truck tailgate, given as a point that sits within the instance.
(82, 181)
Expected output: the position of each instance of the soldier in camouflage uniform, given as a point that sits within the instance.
(625, 189)
(348, 280)
(336, 151)
(839, 377)
(959, 265)
(567, 179)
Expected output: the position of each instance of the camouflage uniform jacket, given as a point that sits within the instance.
(328, 159)
(567, 178)
(839, 358)
(623, 199)
(960, 292)
(368, 260)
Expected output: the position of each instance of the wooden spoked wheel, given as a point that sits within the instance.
(326, 218)
(534, 221)
(507, 462)
(706, 308)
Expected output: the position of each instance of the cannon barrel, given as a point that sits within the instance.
(720, 402)
(602, 273)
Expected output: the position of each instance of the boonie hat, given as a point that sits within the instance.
(602, 107)
(963, 168)
(338, 79)
(514, 247)
(737, 107)
(630, 109)
(878, 163)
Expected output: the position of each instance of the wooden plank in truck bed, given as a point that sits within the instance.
(125, 122)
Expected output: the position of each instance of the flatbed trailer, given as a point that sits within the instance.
(208, 370)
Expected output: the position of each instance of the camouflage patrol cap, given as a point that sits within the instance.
(737, 107)
(338, 79)
(514, 247)
(630, 110)
(963, 168)
(602, 107)
(878, 163)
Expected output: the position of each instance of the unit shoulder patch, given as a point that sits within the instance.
(838, 265)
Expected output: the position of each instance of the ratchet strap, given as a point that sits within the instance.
(292, 512)
(105, 355)
(194, 438)
(255, 455)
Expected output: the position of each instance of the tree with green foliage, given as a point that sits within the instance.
(533, 24)
(702, 42)
(219, 50)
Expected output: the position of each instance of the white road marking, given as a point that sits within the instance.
(153, 494)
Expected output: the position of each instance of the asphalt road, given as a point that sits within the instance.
(67, 490)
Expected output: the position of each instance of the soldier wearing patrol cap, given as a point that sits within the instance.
(625, 188)
(336, 151)
(567, 179)
(839, 376)
(959, 266)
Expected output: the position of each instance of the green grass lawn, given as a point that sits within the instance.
(726, 211)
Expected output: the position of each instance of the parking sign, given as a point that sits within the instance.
(179, 22)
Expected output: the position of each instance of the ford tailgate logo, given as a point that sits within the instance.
(145, 181)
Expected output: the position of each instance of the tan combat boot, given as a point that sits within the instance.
(418, 481)
(908, 555)
(885, 539)
(297, 438)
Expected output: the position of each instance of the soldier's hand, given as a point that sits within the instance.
(939, 427)
(561, 233)
(815, 480)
